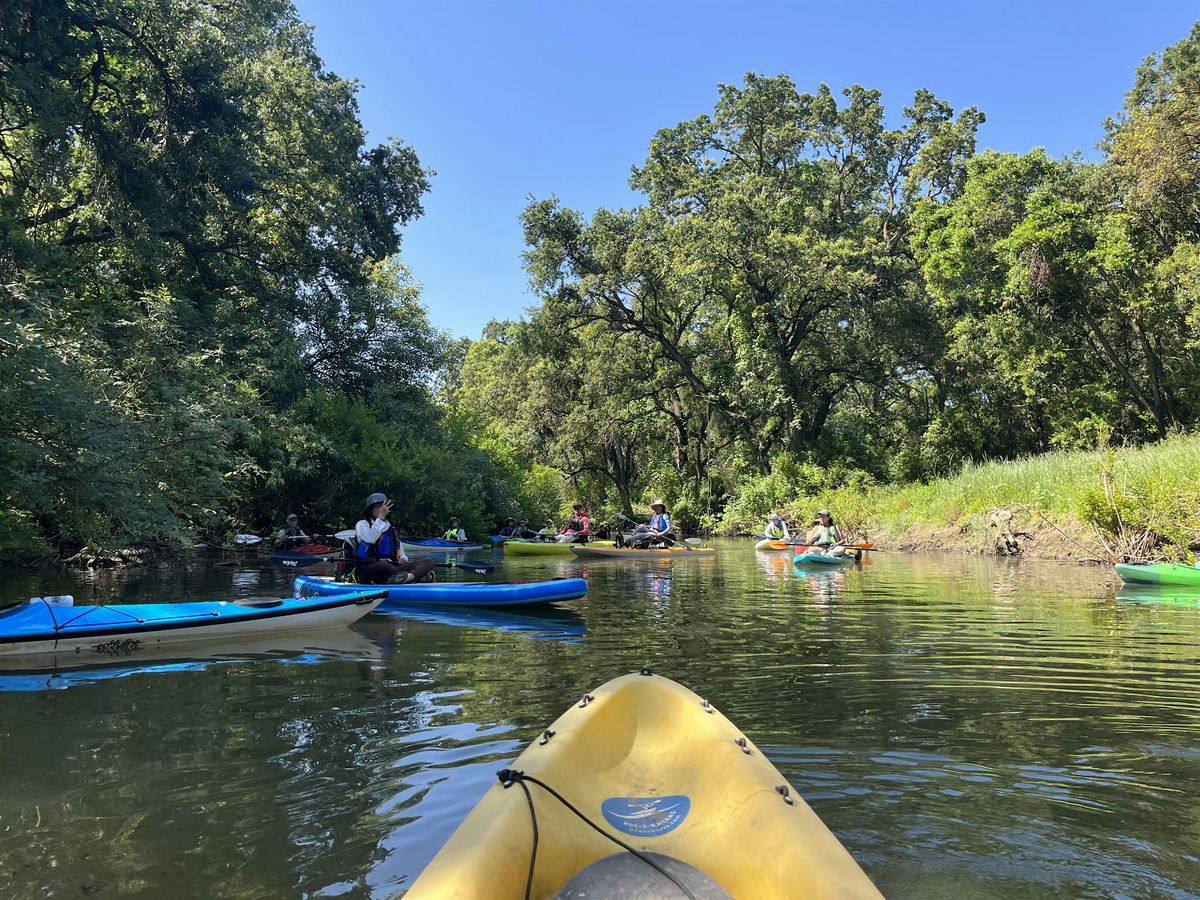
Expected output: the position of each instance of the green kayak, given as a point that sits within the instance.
(1159, 573)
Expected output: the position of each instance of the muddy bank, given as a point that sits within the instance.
(1002, 532)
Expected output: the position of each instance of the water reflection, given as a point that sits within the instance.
(59, 671)
(968, 727)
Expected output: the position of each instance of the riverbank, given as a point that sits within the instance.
(1097, 506)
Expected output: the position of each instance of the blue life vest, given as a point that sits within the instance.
(660, 522)
(384, 548)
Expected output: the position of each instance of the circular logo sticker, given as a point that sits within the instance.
(646, 816)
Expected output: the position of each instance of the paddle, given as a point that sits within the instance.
(804, 548)
(477, 568)
(688, 544)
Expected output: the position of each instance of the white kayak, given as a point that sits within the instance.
(41, 627)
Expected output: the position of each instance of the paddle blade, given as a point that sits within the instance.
(347, 535)
(478, 568)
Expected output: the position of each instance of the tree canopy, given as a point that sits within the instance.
(810, 286)
(206, 322)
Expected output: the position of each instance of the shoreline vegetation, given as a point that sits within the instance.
(1094, 506)
(811, 300)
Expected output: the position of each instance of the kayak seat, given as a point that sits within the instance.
(623, 876)
(258, 602)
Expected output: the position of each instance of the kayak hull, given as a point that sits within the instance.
(546, 548)
(591, 552)
(767, 545)
(1159, 573)
(651, 764)
(820, 559)
(133, 628)
(454, 593)
(437, 545)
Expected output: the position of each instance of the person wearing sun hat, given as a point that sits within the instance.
(825, 534)
(777, 529)
(379, 557)
(290, 532)
(659, 526)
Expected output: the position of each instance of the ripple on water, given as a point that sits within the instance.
(967, 727)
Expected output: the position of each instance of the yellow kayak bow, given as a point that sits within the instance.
(651, 765)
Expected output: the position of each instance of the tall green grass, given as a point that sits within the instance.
(1150, 492)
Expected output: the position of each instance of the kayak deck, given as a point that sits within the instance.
(1159, 573)
(454, 593)
(653, 765)
(437, 545)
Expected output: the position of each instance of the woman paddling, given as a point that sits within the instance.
(659, 526)
(379, 557)
(777, 529)
(825, 534)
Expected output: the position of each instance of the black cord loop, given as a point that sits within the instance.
(509, 777)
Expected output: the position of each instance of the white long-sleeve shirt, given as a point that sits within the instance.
(370, 532)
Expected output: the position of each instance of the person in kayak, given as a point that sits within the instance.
(825, 534)
(659, 526)
(289, 533)
(379, 558)
(455, 533)
(509, 529)
(777, 529)
(577, 528)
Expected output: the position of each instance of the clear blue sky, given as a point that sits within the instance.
(507, 99)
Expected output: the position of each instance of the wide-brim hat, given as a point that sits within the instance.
(292, 516)
(372, 500)
(824, 512)
(658, 503)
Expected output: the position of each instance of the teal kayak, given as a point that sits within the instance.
(820, 559)
(1159, 573)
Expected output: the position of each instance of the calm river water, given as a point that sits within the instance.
(967, 727)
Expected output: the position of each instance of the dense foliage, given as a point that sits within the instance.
(204, 323)
(808, 296)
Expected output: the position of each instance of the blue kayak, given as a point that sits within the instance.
(40, 627)
(453, 593)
